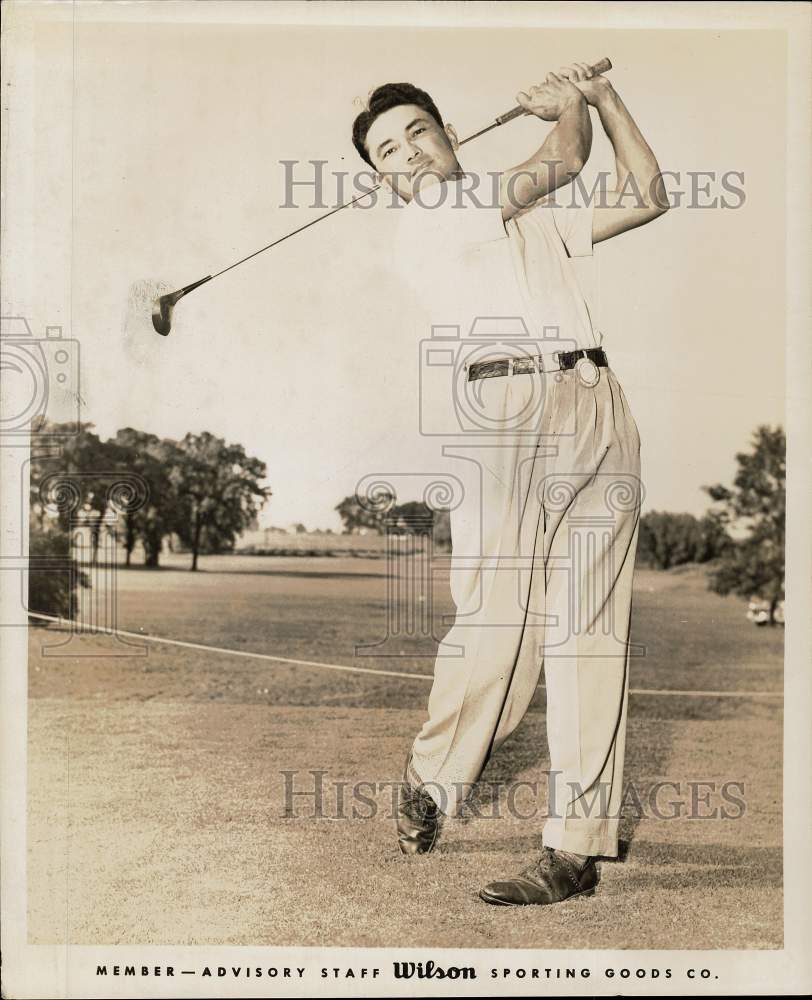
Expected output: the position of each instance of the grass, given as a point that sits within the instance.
(158, 802)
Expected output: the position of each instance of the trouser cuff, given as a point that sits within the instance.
(449, 797)
(580, 839)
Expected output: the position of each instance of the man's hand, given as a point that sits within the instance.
(549, 100)
(593, 86)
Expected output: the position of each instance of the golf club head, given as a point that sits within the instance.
(162, 312)
(162, 307)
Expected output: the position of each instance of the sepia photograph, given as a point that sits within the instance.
(406, 499)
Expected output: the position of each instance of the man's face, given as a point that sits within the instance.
(411, 150)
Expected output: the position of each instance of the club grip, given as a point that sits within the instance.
(601, 66)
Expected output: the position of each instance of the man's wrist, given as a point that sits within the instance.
(574, 104)
(607, 100)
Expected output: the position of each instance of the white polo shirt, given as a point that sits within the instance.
(462, 262)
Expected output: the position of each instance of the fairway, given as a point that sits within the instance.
(160, 777)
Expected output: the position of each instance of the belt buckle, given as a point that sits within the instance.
(587, 371)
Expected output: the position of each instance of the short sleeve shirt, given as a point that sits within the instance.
(467, 267)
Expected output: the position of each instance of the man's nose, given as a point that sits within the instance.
(414, 150)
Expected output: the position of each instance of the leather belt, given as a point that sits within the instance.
(557, 361)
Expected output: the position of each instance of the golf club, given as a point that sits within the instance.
(163, 307)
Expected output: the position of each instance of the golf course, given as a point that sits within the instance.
(241, 793)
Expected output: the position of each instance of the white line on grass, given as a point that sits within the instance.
(371, 670)
(233, 652)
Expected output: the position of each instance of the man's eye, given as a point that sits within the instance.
(417, 131)
(386, 152)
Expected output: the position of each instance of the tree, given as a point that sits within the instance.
(217, 490)
(371, 515)
(411, 518)
(713, 540)
(755, 510)
(53, 573)
(442, 528)
(384, 515)
(151, 458)
(667, 539)
(76, 477)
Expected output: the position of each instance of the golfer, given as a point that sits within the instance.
(544, 542)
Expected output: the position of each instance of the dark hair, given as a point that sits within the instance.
(383, 98)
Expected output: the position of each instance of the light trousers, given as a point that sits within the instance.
(543, 551)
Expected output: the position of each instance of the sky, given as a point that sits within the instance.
(156, 154)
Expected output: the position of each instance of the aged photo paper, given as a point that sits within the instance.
(406, 545)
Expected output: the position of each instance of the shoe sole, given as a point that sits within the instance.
(495, 901)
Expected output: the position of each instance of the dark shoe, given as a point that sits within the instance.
(551, 879)
(418, 818)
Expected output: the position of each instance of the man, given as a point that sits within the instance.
(546, 562)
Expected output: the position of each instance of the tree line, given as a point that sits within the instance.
(387, 516)
(202, 490)
(206, 492)
(667, 539)
(741, 536)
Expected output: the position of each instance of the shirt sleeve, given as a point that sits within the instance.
(574, 225)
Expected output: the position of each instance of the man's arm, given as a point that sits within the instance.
(639, 195)
(563, 153)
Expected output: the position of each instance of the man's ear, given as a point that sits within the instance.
(451, 132)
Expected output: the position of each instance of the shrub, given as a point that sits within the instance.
(53, 573)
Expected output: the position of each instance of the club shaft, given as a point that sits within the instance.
(287, 236)
(602, 66)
